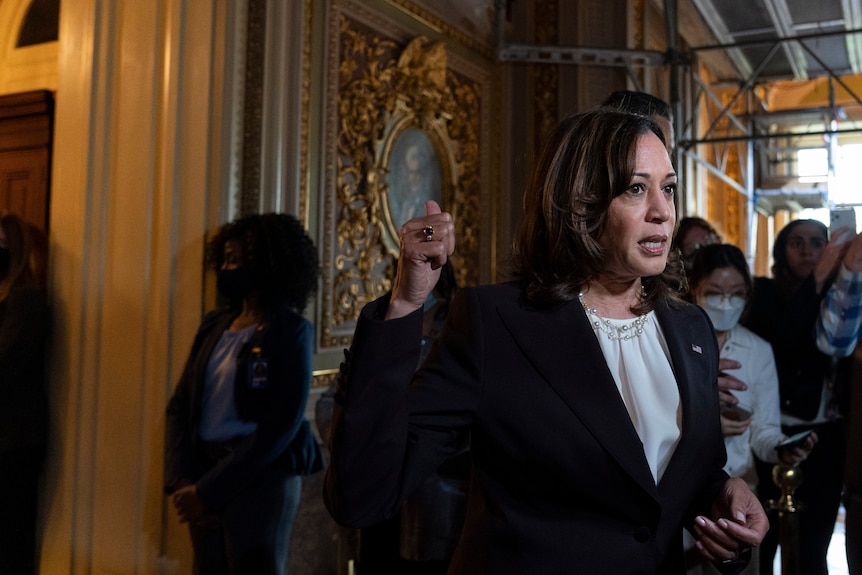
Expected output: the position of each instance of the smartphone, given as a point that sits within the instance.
(842, 217)
(794, 440)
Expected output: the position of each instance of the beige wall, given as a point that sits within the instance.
(136, 185)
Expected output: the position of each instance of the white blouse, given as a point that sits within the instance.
(646, 382)
(758, 371)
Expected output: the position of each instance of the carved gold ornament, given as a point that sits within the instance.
(390, 98)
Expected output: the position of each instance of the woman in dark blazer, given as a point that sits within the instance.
(24, 326)
(587, 385)
(237, 440)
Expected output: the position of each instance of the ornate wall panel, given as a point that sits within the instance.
(249, 200)
(545, 77)
(395, 98)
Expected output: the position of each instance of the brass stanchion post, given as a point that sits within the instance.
(788, 480)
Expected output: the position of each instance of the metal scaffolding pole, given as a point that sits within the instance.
(686, 64)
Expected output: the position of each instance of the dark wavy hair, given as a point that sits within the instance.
(588, 160)
(716, 256)
(281, 256)
(689, 223)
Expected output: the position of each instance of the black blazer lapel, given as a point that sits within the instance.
(562, 347)
(693, 354)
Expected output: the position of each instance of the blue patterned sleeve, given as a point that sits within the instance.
(838, 324)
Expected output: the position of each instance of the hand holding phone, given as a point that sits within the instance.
(842, 218)
(794, 441)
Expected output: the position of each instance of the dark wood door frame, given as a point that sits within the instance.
(26, 135)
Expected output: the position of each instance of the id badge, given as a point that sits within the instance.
(258, 371)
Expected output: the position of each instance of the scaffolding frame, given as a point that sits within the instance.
(742, 130)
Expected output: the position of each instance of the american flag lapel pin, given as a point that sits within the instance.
(696, 348)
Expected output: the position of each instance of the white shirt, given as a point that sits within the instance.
(644, 377)
(760, 375)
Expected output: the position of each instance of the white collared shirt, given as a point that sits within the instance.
(760, 375)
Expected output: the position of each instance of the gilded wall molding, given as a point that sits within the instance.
(383, 87)
(305, 129)
(444, 27)
(249, 199)
(638, 24)
(546, 77)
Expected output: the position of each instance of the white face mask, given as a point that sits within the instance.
(723, 311)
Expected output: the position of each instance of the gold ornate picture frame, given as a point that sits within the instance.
(391, 95)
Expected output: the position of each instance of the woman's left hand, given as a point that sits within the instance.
(738, 522)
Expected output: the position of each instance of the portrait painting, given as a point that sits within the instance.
(414, 176)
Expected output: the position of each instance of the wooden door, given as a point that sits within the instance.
(26, 127)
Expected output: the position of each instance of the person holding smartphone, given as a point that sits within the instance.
(720, 283)
(840, 319)
(784, 311)
(837, 330)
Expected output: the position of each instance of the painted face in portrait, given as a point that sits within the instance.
(415, 177)
(416, 168)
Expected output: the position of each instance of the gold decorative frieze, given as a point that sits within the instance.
(471, 41)
(305, 131)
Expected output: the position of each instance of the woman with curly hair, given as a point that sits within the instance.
(237, 441)
(23, 400)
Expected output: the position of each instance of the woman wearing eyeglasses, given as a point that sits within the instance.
(720, 283)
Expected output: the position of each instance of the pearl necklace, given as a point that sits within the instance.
(613, 331)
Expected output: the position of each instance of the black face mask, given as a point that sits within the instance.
(234, 284)
(4, 261)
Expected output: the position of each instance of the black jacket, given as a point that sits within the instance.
(24, 326)
(788, 325)
(560, 483)
(283, 436)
